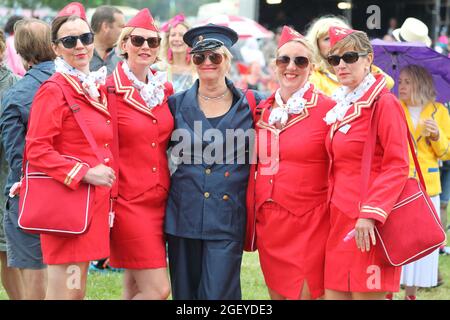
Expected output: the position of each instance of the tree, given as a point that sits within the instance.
(159, 8)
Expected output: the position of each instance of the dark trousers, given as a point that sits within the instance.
(205, 269)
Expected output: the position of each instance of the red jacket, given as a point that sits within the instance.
(144, 134)
(53, 131)
(390, 163)
(295, 176)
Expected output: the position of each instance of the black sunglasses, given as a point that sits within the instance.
(70, 42)
(348, 57)
(138, 41)
(301, 62)
(214, 57)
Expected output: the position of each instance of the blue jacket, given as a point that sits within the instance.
(207, 198)
(15, 105)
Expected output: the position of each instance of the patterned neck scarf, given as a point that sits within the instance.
(345, 98)
(151, 92)
(295, 105)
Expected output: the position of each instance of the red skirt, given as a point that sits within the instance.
(137, 236)
(292, 249)
(347, 269)
(92, 245)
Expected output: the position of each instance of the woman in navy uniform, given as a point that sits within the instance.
(205, 215)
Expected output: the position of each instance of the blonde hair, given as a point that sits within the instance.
(422, 86)
(126, 31)
(228, 56)
(317, 30)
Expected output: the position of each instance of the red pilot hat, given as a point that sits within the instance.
(143, 19)
(336, 34)
(288, 34)
(73, 9)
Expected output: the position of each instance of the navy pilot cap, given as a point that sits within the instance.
(210, 37)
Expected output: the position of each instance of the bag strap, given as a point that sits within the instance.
(254, 107)
(82, 123)
(112, 100)
(369, 149)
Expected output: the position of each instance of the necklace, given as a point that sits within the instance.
(213, 98)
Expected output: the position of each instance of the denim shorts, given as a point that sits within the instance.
(23, 249)
(2, 233)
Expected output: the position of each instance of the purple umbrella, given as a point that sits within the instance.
(391, 57)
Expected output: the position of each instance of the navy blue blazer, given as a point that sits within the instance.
(207, 195)
(15, 105)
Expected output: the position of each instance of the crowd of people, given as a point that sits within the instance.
(174, 206)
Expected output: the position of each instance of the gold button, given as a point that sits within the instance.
(207, 195)
(270, 181)
(208, 171)
(153, 145)
(106, 145)
(154, 169)
(108, 121)
(226, 197)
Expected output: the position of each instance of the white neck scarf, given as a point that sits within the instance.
(345, 98)
(88, 81)
(295, 105)
(151, 92)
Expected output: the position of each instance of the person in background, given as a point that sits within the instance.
(10, 276)
(251, 52)
(429, 123)
(349, 260)
(412, 30)
(13, 60)
(107, 22)
(53, 132)
(33, 43)
(323, 76)
(255, 79)
(144, 128)
(175, 57)
(292, 217)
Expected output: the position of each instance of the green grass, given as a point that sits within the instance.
(107, 286)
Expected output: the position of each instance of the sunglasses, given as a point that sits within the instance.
(348, 57)
(301, 62)
(70, 42)
(199, 58)
(138, 41)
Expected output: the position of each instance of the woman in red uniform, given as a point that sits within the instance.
(353, 268)
(54, 132)
(144, 126)
(292, 220)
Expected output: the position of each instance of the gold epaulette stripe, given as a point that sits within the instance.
(100, 106)
(128, 92)
(72, 174)
(378, 211)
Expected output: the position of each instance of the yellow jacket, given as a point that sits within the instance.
(327, 82)
(429, 152)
